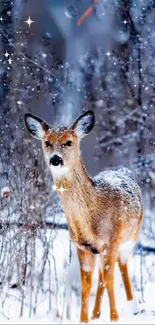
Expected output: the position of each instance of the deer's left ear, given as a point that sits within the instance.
(35, 126)
(84, 124)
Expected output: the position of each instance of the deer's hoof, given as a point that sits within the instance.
(95, 315)
(114, 316)
(84, 319)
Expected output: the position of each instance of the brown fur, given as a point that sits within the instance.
(97, 223)
(101, 216)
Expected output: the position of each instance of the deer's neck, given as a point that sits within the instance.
(76, 191)
(77, 178)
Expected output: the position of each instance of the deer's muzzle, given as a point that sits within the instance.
(56, 160)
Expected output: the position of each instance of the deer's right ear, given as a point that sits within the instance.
(35, 126)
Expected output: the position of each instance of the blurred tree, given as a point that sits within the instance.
(27, 198)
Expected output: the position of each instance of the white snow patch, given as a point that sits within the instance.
(133, 306)
(86, 267)
(123, 181)
(107, 267)
(125, 250)
(70, 276)
(115, 177)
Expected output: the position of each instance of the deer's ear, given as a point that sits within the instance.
(35, 126)
(84, 124)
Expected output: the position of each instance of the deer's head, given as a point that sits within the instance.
(61, 145)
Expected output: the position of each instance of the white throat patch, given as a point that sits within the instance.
(59, 171)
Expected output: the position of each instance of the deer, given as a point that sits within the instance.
(103, 213)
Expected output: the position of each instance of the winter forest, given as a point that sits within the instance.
(59, 58)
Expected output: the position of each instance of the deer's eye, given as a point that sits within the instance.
(69, 143)
(47, 144)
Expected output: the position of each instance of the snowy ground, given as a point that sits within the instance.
(41, 309)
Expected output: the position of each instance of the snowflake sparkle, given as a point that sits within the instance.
(108, 53)
(6, 54)
(61, 188)
(29, 21)
(9, 60)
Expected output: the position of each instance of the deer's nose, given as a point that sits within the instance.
(56, 160)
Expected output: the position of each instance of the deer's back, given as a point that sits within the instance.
(119, 200)
(122, 184)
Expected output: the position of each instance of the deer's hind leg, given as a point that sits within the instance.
(128, 287)
(123, 266)
(87, 263)
(126, 280)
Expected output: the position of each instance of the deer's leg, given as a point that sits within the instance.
(87, 263)
(100, 291)
(126, 280)
(127, 285)
(109, 283)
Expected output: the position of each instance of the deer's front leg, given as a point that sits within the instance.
(99, 295)
(87, 263)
